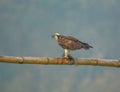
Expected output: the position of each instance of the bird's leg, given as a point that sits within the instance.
(66, 55)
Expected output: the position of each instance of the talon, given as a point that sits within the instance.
(69, 58)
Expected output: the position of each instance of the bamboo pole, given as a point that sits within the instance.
(59, 61)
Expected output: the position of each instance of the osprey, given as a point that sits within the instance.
(69, 43)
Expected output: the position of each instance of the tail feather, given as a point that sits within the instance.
(86, 46)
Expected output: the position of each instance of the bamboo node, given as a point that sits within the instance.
(22, 60)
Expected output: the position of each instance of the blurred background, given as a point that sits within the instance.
(26, 27)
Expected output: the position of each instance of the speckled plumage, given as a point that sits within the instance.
(70, 43)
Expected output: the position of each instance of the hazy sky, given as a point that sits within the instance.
(26, 27)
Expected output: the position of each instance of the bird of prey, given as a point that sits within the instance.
(69, 43)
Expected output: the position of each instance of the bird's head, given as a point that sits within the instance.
(56, 36)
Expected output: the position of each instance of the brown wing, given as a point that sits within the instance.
(68, 42)
(78, 44)
(72, 38)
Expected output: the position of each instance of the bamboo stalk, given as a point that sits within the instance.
(59, 61)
